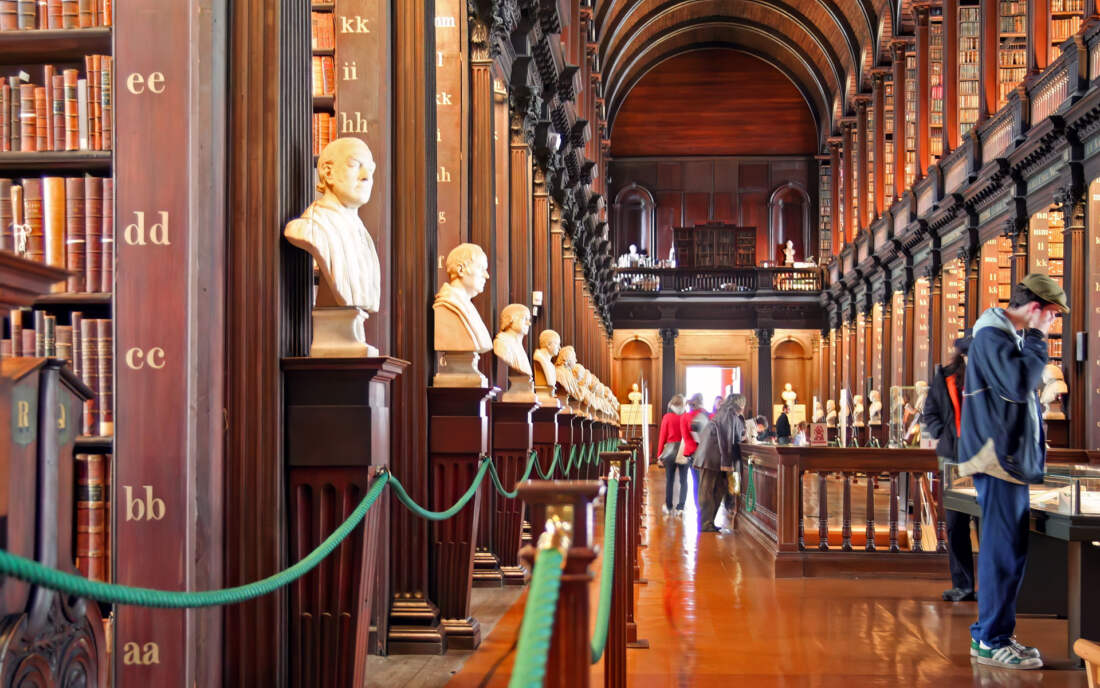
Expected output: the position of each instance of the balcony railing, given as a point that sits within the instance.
(718, 280)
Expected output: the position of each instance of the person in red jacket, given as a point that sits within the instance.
(689, 429)
(668, 448)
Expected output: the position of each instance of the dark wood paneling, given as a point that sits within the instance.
(725, 207)
(669, 215)
(754, 213)
(669, 175)
(713, 83)
(696, 208)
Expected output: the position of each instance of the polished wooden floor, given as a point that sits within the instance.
(715, 616)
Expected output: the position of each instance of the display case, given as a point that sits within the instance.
(1071, 490)
(905, 409)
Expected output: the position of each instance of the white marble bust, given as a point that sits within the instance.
(515, 322)
(460, 334)
(857, 410)
(549, 346)
(830, 413)
(563, 369)
(874, 408)
(1054, 386)
(788, 395)
(818, 412)
(788, 253)
(634, 395)
(332, 233)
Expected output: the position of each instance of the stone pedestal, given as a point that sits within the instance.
(337, 438)
(458, 437)
(512, 437)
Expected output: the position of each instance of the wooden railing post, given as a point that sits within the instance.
(633, 561)
(569, 660)
(614, 657)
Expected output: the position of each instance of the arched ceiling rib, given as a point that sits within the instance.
(762, 41)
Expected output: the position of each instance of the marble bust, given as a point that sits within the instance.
(1054, 386)
(332, 233)
(460, 334)
(635, 396)
(563, 372)
(788, 395)
(874, 407)
(818, 412)
(515, 322)
(545, 375)
(857, 410)
(788, 253)
(830, 413)
(583, 398)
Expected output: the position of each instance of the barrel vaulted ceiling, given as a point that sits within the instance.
(827, 48)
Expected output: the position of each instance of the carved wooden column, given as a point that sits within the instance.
(988, 65)
(866, 307)
(540, 230)
(878, 105)
(512, 437)
(482, 188)
(935, 319)
(951, 139)
(1038, 35)
(1016, 231)
(910, 329)
(568, 662)
(971, 258)
(764, 371)
(520, 194)
(898, 48)
(414, 626)
(668, 364)
(851, 223)
(923, 88)
(834, 169)
(887, 343)
(825, 364)
(863, 201)
(1076, 281)
(555, 295)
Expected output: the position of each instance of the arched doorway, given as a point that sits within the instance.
(635, 364)
(791, 364)
(789, 219)
(634, 210)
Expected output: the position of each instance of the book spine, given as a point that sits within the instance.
(9, 15)
(72, 114)
(53, 14)
(13, 112)
(41, 123)
(32, 216)
(78, 351)
(105, 13)
(107, 237)
(65, 343)
(106, 110)
(75, 209)
(5, 118)
(27, 132)
(47, 114)
(95, 125)
(104, 360)
(53, 221)
(90, 368)
(39, 334)
(70, 14)
(91, 516)
(5, 348)
(28, 15)
(7, 238)
(84, 14)
(82, 113)
(28, 340)
(93, 227)
(49, 336)
(16, 323)
(57, 113)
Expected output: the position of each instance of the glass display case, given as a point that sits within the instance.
(1072, 490)
(906, 404)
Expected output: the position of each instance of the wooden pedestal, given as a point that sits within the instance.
(544, 435)
(337, 438)
(486, 563)
(622, 590)
(568, 435)
(512, 437)
(458, 437)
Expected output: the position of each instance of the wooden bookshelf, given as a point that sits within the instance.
(1066, 17)
(910, 140)
(1045, 254)
(825, 204)
(935, 95)
(55, 161)
(53, 45)
(1012, 47)
(888, 147)
(996, 273)
(954, 305)
(970, 27)
(869, 169)
(323, 69)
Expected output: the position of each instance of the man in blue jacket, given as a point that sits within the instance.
(1002, 446)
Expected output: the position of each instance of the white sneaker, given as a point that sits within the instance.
(664, 509)
(1008, 657)
(679, 513)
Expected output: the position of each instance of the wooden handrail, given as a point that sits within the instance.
(1090, 652)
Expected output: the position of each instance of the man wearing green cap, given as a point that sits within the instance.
(1002, 446)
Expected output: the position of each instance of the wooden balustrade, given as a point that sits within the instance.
(614, 656)
(793, 484)
(719, 280)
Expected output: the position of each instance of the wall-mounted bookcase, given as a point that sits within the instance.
(954, 306)
(935, 95)
(910, 141)
(323, 47)
(825, 203)
(1045, 254)
(996, 273)
(888, 148)
(970, 27)
(869, 169)
(1012, 47)
(1065, 20)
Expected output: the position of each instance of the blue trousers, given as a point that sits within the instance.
(1001, 557)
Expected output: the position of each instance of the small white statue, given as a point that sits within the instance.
(515, 322)
(788, 395)
(922, 393)
(1054, 386)
(635, 396)
(788, 253)
(818, 413)
(332, 233)
(874, 409)
(845, 412)
(630, 259)
(857, 411)
(545, 375)
(830, 413)
(460, 334)
(563, 371)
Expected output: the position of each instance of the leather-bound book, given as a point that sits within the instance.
(53, 219)
(95, 125)
(15, 323)
(53, 14)
(7, 238)
(65, 343)
(106, 116)
(107, 237)
(32, 216)
(91, 516)
(93, 232)
(27, 130)
(49, 336)
(13, 111)
(104, 376)
(5, 117)
(46, 117)
(78, 351)
(318, 78)
(72, 113)
(85, 17)
(5, 348)
(90, 368)
(29, 340)
(75, 225)
(9, 15)
(105, 18)
(39, 334)
(70, 14)
(41, 122)
(57, 112)
(28, 15)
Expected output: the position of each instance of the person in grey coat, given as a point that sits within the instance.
(718, 454)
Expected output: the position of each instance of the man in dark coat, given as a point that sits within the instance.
(783, 427)
(1002, 446)
(719, 453)
(942, 417)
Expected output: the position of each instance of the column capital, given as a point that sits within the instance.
(668, 335)
(764, 335)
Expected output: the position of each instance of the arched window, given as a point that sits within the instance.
(634, 212)
(789, 219)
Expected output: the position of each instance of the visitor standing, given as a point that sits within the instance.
(942, 417)
(669, 447)
(718, 455)
(1003, 444)
(783, 426)
(691, 423)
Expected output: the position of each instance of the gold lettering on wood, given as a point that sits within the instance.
(351, 71)
(140, 655)
(135, 232)
(354, 124)
(354, 25)
(137, 83)
(136, 359)
(148, 509)
(61, 418)
(23, 414)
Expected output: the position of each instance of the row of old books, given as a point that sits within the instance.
(322, 31)
(23, 15)
(324, 76)
(93, 515)
(67, 112)
(324, 131)
(65, 222)
(86, 344)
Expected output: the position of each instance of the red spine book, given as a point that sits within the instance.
(106, 75)
(7, 240)
(75, 205)
(105, 359)
(53, 14)
(95, 125)
(32, 216)
(107, 237)
(5, 117)
(41, 123)
(72, 114)
(84, 14)
(64, 336)
(70, 14)
(30, 341)
(93, 232)
(78, 351)
(53, 220)
(91, 516)
(9, 15)
(105, 18)
(48, 73)
(57, 112)
(27, 133)
(90, 368)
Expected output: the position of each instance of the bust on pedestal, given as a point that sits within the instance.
(545, 376)
(1054, 387)
(331, 231)
(830, 413)
(460, 335)
(874, 409)
(515, 322)
(857, 411)
(567, 383)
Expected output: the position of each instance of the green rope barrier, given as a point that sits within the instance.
(34, 573)
(750, 492)
(532, 459)
(538, 621)
(402, 495)
(607, 571)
